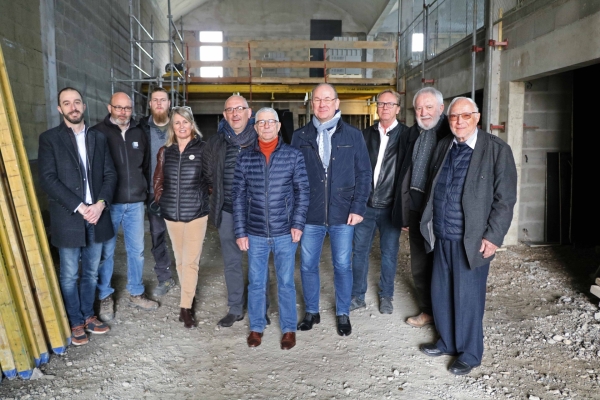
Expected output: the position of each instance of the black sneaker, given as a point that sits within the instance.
(163, 287)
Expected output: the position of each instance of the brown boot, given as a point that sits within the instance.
(187, 318)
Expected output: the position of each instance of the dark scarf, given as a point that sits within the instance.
(243, 139)
(421, 156)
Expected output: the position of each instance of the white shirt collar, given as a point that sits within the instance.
(470, 141)
(392, 126)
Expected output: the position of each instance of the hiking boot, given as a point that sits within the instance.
(163, 287)
(385, 305)
(141, 301)
(107, 308)
(95, 326)
(357, 303)
(78, 336)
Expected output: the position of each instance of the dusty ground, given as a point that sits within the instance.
(541, 341)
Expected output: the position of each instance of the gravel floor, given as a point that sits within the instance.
(541, 342)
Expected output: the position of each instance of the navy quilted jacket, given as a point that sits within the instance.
(270, 200)
(448, 216)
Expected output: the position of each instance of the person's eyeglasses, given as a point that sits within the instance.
(230, 110)
(265, 122)
(325, 101)
(120, 108)
(386, 105)
(184, 107)
(464, 116)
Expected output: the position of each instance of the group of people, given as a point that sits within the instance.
(450, 185)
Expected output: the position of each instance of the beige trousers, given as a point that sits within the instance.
(187, 239)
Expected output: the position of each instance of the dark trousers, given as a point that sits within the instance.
(458, 294)
(232, 260)
(162, 259)
(421, 263)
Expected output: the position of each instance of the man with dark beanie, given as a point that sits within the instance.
(235, 134)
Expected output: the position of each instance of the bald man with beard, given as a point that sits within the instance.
(128, 146)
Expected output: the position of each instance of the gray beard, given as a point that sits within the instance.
(433, 124)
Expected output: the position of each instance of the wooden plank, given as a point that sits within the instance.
(301, 44)
(297, 81)
(358, 90)
(39, 260)
(291, 64)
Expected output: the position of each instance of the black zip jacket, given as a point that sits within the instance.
(131, 158)
(184, 190)
(382, 196)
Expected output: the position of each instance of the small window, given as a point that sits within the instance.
(211, 53)
(417, 42)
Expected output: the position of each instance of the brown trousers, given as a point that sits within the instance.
(187, 239)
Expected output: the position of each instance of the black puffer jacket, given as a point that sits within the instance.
(180, 188)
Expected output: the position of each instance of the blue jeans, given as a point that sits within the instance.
(79, 300)
(340, 237)
(284, 254)
(389, 243)
(131, 217)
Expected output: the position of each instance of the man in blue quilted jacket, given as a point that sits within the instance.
(339, 173)
(270, 199)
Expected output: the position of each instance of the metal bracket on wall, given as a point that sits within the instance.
(494, 43)
(476, 49)
(432, 81)
(500, 127)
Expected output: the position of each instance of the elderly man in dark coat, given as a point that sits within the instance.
(469, 208)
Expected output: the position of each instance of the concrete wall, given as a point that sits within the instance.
(92, 37)
(22, 49)
(548, 107)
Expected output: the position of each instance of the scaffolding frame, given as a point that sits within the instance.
(176, 79)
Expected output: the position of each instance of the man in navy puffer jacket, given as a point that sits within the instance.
(339, 173)
(270, 195)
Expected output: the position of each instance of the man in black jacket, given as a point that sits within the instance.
(235, 133)
(155, 127)
(77, 172)
(382, 141)
(419, 142)
(129, 149)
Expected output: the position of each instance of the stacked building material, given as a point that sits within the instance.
(32, 315)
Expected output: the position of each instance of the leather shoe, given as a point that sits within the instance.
(460, 368)
(419, 321)
(254, 339)
(343, 325)
(187, 318)
(229, 319)
(309, 320)
(432, 350)
(288, 340)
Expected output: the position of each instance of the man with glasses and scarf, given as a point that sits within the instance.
(235, 133)
(339, 174)
(469, 207)
(128, 146)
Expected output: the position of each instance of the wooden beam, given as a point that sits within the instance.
(297, 81)
(301, 44)
(291, 64)
(283, 89)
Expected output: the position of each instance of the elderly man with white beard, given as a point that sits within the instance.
(430, 128)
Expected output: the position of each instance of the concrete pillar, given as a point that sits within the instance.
(514, 137)
(49, 57)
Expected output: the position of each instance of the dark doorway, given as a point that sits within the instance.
(585, 220)
(322, 29)
(208, 124)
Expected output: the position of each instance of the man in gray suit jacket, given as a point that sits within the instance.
(77, 173)
(469, 208)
